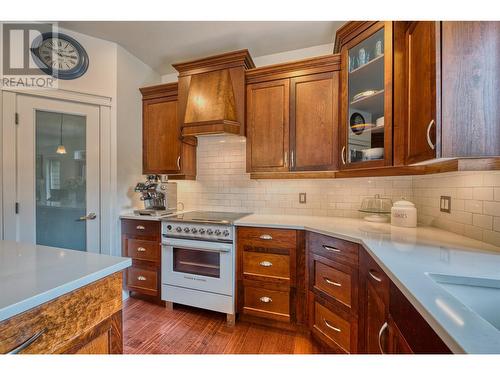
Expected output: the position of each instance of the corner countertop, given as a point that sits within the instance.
(31, 275)
(408, 256)
(131, 215)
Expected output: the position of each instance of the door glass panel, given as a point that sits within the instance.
(196, 262)
(365, 122)
(60, 180)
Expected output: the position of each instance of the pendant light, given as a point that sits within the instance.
(61, 150)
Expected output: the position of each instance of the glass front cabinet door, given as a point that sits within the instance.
(366, 122)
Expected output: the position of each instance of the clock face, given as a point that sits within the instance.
(60, 56)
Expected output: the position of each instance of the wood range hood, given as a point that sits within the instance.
(212, 94)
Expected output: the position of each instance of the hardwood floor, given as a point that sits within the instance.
(152, 329)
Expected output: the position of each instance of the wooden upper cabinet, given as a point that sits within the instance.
(421, 88)
(470, 94)
(164, 151)
(292, 116)
(268, 126)
(161, 136)
(366, 97)
(314, 107)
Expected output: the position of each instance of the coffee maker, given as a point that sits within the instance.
(160, 198)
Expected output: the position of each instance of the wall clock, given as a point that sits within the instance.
(59, 55)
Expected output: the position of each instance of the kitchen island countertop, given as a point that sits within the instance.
(31, 275)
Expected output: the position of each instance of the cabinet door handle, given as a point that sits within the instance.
(382, 329)
(429, 141)
(292, 162)
(141, 249)
(140, 227)
(27, 343)
(328, 281)
(179, 162)
(286, 159)
(342, 155)
(266, 299)
(265, 263)
(141, 278)
(376, 278)
(331, 326)
(329, 248)
(266, 237)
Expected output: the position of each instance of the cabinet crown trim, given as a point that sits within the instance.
(216, 62)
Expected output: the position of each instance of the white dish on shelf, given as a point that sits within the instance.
(379, 123)
(373, 153)
(364, 94)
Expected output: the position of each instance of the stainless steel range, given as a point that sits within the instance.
(198, 260)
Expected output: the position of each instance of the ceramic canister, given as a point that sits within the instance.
(404, 214)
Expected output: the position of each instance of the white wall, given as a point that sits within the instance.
(132, 73)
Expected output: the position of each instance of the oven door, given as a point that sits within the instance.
(198, 265)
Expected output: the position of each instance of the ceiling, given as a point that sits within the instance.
(161, 43)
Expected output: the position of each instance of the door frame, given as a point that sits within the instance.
(107, 160)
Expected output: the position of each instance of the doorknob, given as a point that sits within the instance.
(90, 216)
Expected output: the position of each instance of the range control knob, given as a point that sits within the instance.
(202, 230)
(210, 232)
(178, 229)
(217, 232)
(225, 233)
(186, 230)
(169, 227)
(194, 230)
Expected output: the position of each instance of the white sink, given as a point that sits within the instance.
(481, 295)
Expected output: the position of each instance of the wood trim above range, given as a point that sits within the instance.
(298, 68)
(223, 61)
(165, 90)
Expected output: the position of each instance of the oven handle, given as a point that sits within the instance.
(195, 245)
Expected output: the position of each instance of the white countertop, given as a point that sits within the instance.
(31, 275)
(407, 255)
(131, 215)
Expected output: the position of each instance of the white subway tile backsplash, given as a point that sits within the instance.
(223, 184)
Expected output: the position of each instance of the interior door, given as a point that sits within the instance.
(58, 173)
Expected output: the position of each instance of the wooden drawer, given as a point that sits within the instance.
(333, 282)
(267, 238)
(143, 250)
(376, 277)
(333, 248)
(332, 327)
(62, 322)
(134, 227)
(266, 303)
(273, 266)
(143, 280)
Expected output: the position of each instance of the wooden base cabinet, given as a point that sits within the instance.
(270, 276)
(85, 321)
(141, 241)
(333, 292)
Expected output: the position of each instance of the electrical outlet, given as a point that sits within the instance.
(302, 198)
(445, 204)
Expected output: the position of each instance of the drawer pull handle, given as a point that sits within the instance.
(382, 329)
(266, 299)
(376, 278)
(266, 237)
(140, 227)
(27, 343)
(429, 142)
(331, 326)
(141, 249)
(141, 278)
(328, 281)
(329, 248)
(265, 263)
